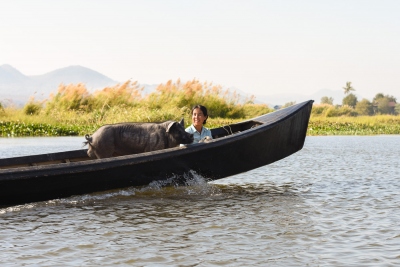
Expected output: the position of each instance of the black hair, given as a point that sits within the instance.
(203, 109)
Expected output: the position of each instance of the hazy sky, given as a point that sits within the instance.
(261, 47)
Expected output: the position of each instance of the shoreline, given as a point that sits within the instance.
(318, 126)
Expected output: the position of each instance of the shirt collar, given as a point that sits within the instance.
(194, 129)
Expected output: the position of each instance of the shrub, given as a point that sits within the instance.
(340, 111)
(320, 109)
(32, 108)
(364, 107)
(253, 110)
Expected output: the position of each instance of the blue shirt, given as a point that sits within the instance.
(196, 135)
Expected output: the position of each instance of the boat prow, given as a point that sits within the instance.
(236, 148)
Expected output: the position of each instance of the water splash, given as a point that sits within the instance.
(17, 208)
(191, 184)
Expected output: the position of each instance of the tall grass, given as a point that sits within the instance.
(73, 110)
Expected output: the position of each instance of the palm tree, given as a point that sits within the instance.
(348, 88)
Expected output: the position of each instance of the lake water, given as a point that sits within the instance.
(334, 203)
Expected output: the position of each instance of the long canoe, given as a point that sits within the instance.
(236, 148)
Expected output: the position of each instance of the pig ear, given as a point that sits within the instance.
(170, 125)
(182, 122)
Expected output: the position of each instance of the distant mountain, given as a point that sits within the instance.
(18, 88)
(9, 75)
(75, 74)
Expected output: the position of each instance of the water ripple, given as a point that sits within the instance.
(335, 203)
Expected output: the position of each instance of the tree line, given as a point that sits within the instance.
(380, 104)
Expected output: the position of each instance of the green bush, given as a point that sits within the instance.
(340, 111)
(364, 107)
(320, 109)
(32, 108)
(253, 110)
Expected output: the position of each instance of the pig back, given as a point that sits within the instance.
(131, 138)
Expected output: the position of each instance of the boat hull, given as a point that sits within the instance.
(274, 137)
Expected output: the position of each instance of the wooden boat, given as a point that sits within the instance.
(236, 148)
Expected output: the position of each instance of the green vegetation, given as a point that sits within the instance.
(75, 111)
(350, 100)
(345, 120)
(348, 88)
(32, 108)
(355, 117)
(364, 107)
(327, 100)
(381, 104)
(17, 128)
(362, 125)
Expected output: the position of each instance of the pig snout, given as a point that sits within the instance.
(187, 138)
(191, 138)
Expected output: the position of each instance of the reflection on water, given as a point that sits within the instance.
(335, 203)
